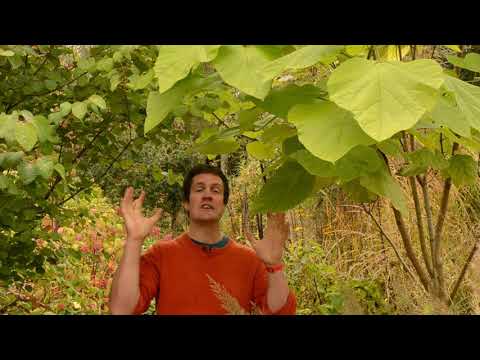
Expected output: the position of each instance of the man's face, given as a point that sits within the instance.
(206, 198)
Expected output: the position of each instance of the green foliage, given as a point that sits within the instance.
(468, 99)
(321, 291)
(70, 119)
(290, 178)
(421, 160)
(385, 97)
(175, 62)
(313, 121)
(383, 184)
(470, 61)
(462, 169)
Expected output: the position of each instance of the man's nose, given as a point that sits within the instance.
(206, 195)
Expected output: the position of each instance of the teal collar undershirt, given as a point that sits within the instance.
(217, 245)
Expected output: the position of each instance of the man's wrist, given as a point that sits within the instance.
(133, 244)
(273, 268)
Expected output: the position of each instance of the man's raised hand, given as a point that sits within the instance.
(137, 225)
(270, 248)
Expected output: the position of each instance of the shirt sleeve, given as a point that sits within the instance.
(260, 295)
(149, 278)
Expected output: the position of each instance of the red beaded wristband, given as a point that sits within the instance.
(275, 268)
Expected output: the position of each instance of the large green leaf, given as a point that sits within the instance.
(79, 109)
(383, 184)
(313, 164)
(160, 105)
(260, 150)
(65, 108)
(27, 172)
(302, 58)
(288, 187)
(420, 160)
(174, 62)
(445, 114)
(44, 167)
(357, 192)
(470, 62)
(292, 145)
(277, 133)
(326, 130)
(142, 81)
(7, 127)
(468, 99)
(240, 66)
(218, 146)
(45, 132)
(280, 100)
(98, 101)
(9, 160)
(26, 135)
(385, 97)
(60, 170)
(360, 161)
(391, 147)
(462, 170)
(247, 118)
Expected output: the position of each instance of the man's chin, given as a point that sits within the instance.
(206, 219)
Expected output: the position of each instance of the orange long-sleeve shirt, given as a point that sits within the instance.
(175, 274)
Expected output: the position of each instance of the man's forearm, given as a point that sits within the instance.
(277, 293)
(125, 286)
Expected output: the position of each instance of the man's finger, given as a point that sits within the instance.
(249, 236)
(138, 203)
(156, 216)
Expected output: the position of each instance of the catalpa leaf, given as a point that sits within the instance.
(160, 105)
(462, 169)
(313, 164)
(468, 99)
(385, 97)
(326, 130)
(301, 58)
(280, 100)
(26, 135)
(383, 184)
(260, 150)
(287, 187)
(470, 62)
(174, 62)
(241, 67)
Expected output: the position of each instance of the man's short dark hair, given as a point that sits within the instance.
(204, 169)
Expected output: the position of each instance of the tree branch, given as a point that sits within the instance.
(43, 94)
(100, 177)
(439, 227)
(418, 214)
(406, 239)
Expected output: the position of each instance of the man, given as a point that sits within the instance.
(179, 273)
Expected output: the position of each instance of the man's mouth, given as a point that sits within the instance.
(207, 207)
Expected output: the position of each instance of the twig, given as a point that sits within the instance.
(462, 274)
(101, 176)
(43, 94)
(405, 266)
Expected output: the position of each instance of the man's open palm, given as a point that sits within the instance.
(270, 248)
(137, 225)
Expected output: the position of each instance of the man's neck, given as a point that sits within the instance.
(207, 233)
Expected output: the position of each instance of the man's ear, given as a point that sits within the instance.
(186, 205)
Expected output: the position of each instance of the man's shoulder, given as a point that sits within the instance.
(165, 244)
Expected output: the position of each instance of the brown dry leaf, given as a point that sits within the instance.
(229, 302)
